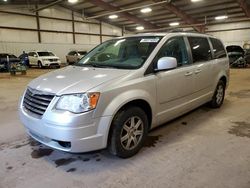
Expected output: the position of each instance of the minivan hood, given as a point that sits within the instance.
(75, 79)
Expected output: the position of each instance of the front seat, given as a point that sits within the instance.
(130, 51)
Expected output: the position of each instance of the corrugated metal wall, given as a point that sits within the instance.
(61, 42)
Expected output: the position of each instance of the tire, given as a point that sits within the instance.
(133, 134)
(244, 65)
(12, 73)
(39, 64)
(218, 96)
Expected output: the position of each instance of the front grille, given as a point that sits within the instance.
(36, 102)
(51, 60)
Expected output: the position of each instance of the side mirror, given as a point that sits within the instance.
(166, 63)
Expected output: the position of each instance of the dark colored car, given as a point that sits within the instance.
(236, 56)
(24, 57)
(247, 55)
(6, 59)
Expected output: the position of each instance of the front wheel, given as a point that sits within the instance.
(40, 65)
(218, 96)
(128, 132)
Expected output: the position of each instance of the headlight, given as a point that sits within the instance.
(78, 103)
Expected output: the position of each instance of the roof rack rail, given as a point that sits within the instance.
(176, 30)
(182, 30)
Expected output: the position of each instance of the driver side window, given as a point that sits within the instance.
(175, 47)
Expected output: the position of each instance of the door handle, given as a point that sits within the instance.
(197, 71)
(188, 73)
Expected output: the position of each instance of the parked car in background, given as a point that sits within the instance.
(74, 56)
(236, 56)
(6, 59)
(43, 59)
(247, 56)
(123, 88)
(24, 57)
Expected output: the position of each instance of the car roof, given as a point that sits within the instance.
(40, 51)
(6, 54)
(77, 51)
(236, 46)
(178, 33)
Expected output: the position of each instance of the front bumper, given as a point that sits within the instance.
(47, 63)
(66, 131)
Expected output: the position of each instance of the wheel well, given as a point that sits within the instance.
(143, 105)
(139, 103)
(224, 79)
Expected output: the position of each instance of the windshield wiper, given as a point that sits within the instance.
(96, 65)
(102, 66)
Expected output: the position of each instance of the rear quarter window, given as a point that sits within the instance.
(218, 48)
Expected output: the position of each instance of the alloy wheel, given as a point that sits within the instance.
(220, 93)
(132, 132)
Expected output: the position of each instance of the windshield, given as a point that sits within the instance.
(234, 49)
(45, 54)
(12, 56)
(126, 53)
(5, 56)
(82, 52)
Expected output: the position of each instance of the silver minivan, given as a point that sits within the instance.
(123, 88)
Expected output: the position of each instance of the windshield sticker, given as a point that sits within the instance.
(150, 40)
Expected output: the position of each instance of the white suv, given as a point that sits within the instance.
(123, 88)
(43, 59)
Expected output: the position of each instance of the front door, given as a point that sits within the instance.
(32, 58)
(174, 87)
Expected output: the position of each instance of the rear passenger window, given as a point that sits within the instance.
(174, 47)
(218, 48)
(200, 49)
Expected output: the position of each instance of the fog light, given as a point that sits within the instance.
(64, 144)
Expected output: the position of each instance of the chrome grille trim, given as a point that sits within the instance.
(53, 60)
(36, 102)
